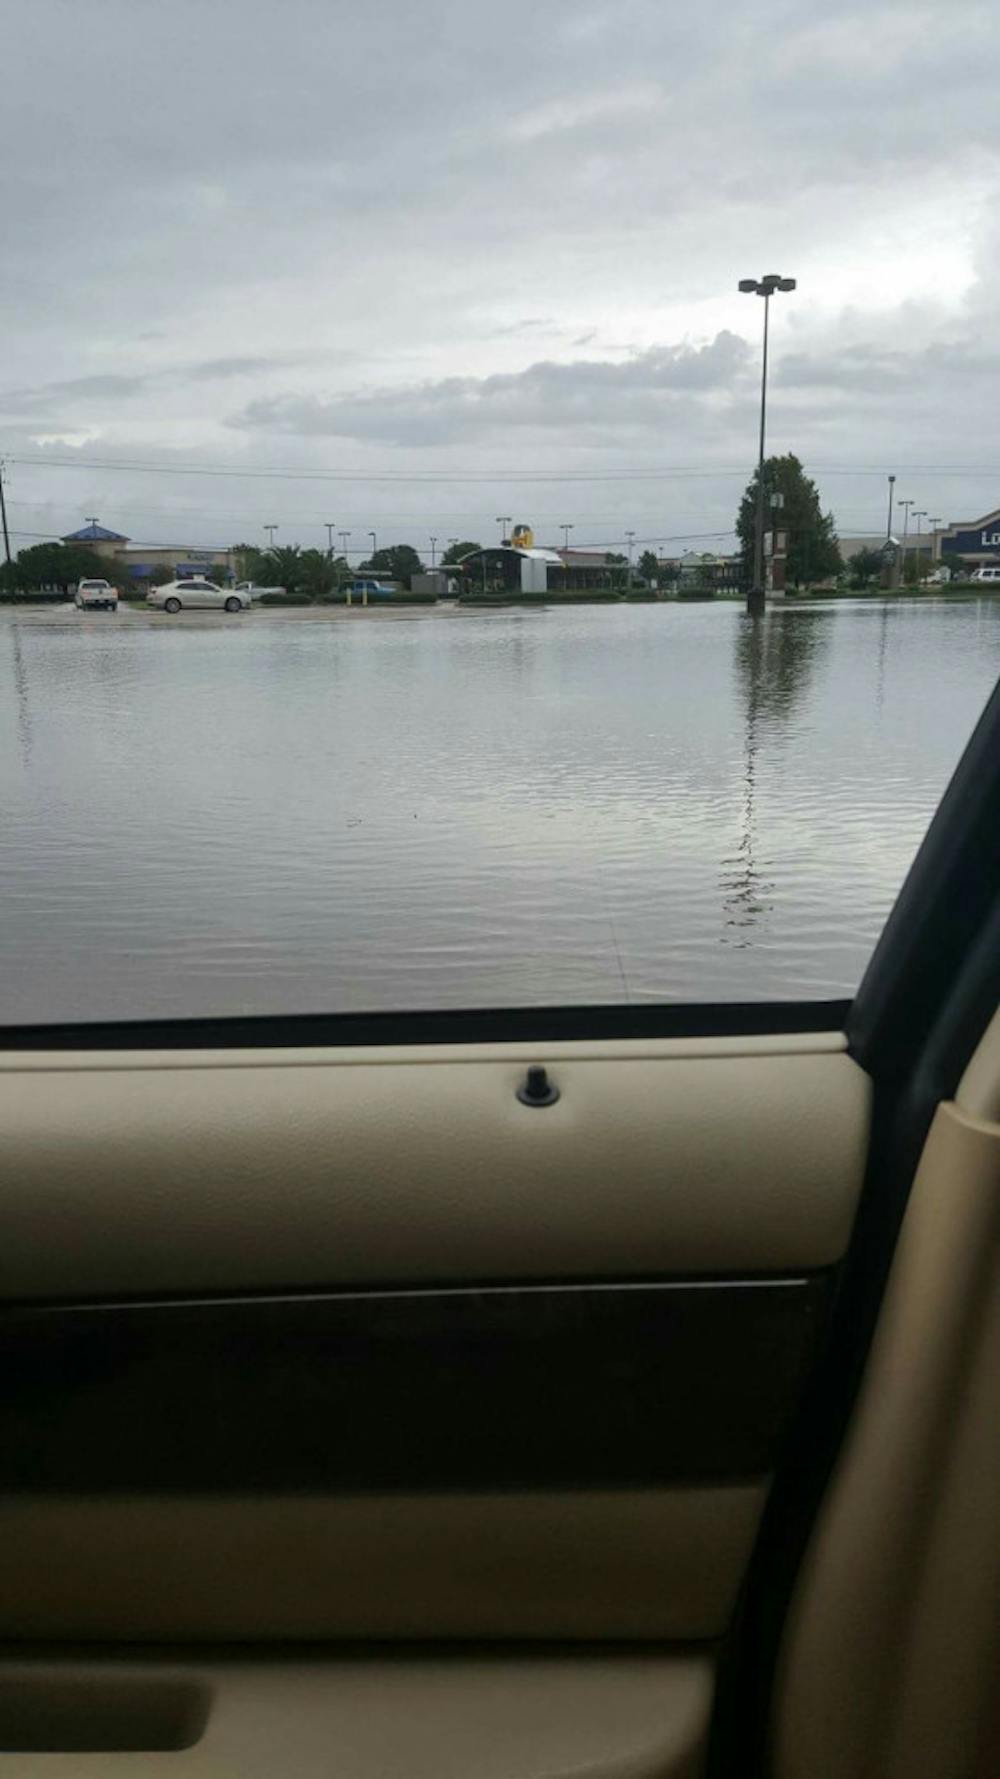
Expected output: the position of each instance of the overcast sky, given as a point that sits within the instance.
(469, 260)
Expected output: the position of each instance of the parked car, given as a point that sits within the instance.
(94, 595)
(990, 571)
(195, 595)
(253, 592)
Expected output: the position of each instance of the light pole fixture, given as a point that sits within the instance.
(906, 505)
(371, 534)
(763, 287)
(503, 520)
(330, 529)
(888, 528)
(270, 529)
(344, 537)
(566, 529)
(631, 540)
(918, 514)
(433, 549)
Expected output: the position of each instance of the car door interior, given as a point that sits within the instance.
(370, 1409)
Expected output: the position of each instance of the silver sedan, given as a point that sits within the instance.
(193, 595)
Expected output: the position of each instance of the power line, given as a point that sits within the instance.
(478, 477)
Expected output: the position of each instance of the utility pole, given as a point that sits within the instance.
(433, 549)
(330, 529)
(566, 529)
(631, 540)
(3, 513)
(888, 528)
(762, 287)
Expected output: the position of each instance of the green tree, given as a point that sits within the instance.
(317, 574)
(649, 568)
(60, 565)
(282, 567)
(249, 561)
(812, 543)
(864, 567)
(397, 562)
(455, 552)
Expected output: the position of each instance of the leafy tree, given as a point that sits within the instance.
(398, 562)
(249, 560)
(649, 568)
(812, 542)
(455, 552)
(60, 565)
(865, 566)
(281, 567)
(317, 574)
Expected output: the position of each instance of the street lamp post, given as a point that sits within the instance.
(934, 523)
(762, 287)
(888, 528)
(631, 540)
(918, 514)
(330, 529)
(566, 529)
(503, 520)
(371, 534)
(433, 549)
(906, 505)
(344, 537)
(270, 529)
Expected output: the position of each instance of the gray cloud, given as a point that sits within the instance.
(583, 394)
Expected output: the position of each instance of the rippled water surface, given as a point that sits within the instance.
(444, 808)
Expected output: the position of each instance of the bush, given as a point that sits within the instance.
(35, 596)
(284, 599)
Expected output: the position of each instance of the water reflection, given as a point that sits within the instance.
(21, 694)
(775, 654)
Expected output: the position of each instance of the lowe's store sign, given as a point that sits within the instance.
(980, 539)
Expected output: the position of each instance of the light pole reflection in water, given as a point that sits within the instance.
(775, 656)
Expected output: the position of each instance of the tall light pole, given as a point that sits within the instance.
(918, 514)
(371, 534)
(3, 514)
(631, 540)
(906, 505)
(330, 529)
(566, 529)
(433, 549)
(270, 529)
(888, 528)
(934, 523)
(344, 537)
(503, 520)
(762, 287)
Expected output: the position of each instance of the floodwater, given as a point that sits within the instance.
(299, 812)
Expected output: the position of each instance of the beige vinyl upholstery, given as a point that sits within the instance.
(658, 1564)
(440, 1717)
(145, 1173)
(892, 1651)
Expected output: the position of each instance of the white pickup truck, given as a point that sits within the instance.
(94, 595)
(248, 589)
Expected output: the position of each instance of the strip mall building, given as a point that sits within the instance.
(974, 540)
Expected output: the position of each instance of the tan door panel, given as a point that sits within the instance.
(441, 1717)
(182, 1173)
